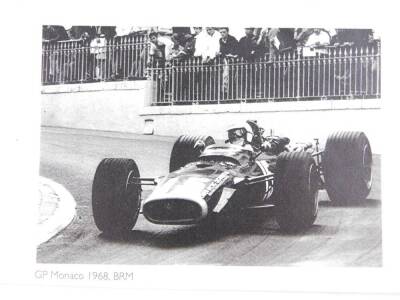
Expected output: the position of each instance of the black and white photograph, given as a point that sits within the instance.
(210, 145)
(187, 149)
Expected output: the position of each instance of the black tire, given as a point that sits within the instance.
(347, 167)
(296, 191)
(184, 150)
(115, 204)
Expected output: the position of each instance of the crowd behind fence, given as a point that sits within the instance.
(335, 73)
(78, 61)
(302, 73)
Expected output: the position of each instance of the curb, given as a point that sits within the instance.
(63, 213)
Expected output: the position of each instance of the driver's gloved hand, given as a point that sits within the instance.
(275, 145)
(267, 147)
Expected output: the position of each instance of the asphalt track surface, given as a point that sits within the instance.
(341, 236)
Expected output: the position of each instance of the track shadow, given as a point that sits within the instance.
(251, 223)
(361, 203)
(254, 222)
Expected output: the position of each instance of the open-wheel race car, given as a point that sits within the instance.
(251, 170)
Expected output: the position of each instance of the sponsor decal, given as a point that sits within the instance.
(215, 184)
(226, 195)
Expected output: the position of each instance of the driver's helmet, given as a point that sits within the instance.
(240, 134)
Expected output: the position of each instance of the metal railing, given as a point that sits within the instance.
(76, 61)
(344, 72)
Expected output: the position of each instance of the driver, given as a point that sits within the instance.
(249, 135)
(241, 135)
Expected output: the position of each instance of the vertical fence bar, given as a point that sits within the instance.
(62, 59)
(367, 63)
(278, 78)
(314, 67)
(323, 64)
(298, 61)
(230, 78)
(44, 69)
(220, 88)
(77, 61)
(73, 61)
(130, 57)
(308, 76)
(340, 73)
(283, 75)
(356, 74)
(135, 57)
(259, 85)
(293, 64)
(250, 84)
(235, 78)
(346, 78)
(180, 82)
(378, 72)
(209, 93)
(272, 71)
(319, 75)
(373, 67)
(67, 62)
(351, 58)
(155, 77)
(190, 77)
(333, 75)
(361, 71)
(57, 62)
(202, 78)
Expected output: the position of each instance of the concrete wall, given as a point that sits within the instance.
(123, 106)
(111, 106)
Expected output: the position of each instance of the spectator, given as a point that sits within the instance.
(179, 36)
(319, 37)
(316, 42)
(268, 41)
(211, 46)
(200, 41)
(301, 35)
(286, 38)
(183, 42)
(77, 32)
(228, 44)
(108, 31)
(228, 49)
(353, 37)
(161, 49)
(248, 45)
(98, 56)
(186, 49)
(54, 33)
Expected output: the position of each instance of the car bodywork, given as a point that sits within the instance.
(216, 181)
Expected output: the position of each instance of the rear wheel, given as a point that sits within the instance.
(347, 166)
(296, 190)
(115, 203)
(187, 149)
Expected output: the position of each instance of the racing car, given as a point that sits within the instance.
(251, 170)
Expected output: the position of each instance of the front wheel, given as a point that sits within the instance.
(347, 167)
(296, 189)
(115, 202)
